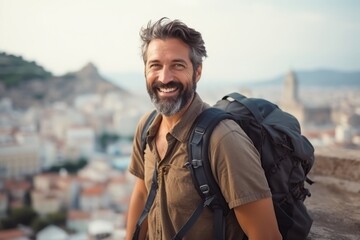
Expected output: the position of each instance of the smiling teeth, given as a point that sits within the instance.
(167, 90)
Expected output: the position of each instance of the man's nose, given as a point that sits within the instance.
(165, 75)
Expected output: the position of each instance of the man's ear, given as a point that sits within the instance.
(198, 72)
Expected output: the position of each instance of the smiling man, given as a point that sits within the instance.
(171, 78)
(173, 55)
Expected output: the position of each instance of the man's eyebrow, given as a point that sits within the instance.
(153, 61)
(179, 60)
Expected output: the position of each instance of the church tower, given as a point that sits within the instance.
(290, 94)
(290, 101)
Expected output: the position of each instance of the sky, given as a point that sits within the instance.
(245, 39)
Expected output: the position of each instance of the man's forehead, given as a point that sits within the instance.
(167, 47)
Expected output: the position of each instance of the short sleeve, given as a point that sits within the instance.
(236, 165)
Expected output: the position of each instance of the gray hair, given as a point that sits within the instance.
(164, 28)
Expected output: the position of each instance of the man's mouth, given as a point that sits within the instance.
(167, 90)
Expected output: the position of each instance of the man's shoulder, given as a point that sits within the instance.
(227, 128)
(144, 118)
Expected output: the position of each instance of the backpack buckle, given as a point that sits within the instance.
(205, 189)
(196, 163)
(208, 201)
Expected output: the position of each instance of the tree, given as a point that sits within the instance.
(24, 215)
(106, 138)
(7, 223)
(38, 224)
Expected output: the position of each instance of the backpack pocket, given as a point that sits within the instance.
(293, 219)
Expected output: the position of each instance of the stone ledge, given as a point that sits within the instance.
(342, 164)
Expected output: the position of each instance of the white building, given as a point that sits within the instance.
(19, 155)
(52, 232)
(94, 198)
(101, 229)
(80, 142)
(53, 192)
(78, 221)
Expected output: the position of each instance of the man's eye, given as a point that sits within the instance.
(154, 66)
(179, 66)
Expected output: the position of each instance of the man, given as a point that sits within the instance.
(173, 54)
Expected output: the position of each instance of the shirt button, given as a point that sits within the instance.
(166, 170)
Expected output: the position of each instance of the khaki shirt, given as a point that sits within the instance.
(235, 164)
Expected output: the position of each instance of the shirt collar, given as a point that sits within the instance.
(182, 128)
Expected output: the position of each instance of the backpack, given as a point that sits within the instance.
(286, 157)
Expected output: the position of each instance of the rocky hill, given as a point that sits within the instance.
(28, 84)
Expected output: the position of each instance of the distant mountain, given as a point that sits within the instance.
(28, 84)
(316, 78)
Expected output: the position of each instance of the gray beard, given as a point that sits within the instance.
(168, 108)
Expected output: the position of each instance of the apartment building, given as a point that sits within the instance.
(54, 192)
(19, 154)
(78, 220)
(93, 198)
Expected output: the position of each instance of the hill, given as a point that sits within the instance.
(28, 84)
(316, 78)
(14, 70)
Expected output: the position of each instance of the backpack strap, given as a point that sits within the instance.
(151, 196)
(149, 202)
(250, 105)
(145, 129)
(193, 218)
(199, 165)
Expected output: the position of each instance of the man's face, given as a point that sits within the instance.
(170, 77)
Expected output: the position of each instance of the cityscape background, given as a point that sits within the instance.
(72, 91)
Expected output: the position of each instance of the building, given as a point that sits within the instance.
(17, 192)
(347, 132)
(14, 234)
(93, 198)
(78, 220)
(54, 192)
(52, 232)
(308, 116)
(19, 153)
(46, 203)
(101, 229)
(80, 142)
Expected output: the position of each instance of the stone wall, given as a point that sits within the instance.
(339, 167)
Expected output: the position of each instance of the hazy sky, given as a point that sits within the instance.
(245, 39)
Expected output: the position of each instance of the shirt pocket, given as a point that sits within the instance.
(180, 189)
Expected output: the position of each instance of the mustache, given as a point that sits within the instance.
(171, 84)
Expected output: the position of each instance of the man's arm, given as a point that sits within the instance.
(258, 220)
(136, 206)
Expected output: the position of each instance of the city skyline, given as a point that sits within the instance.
(246, 40)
